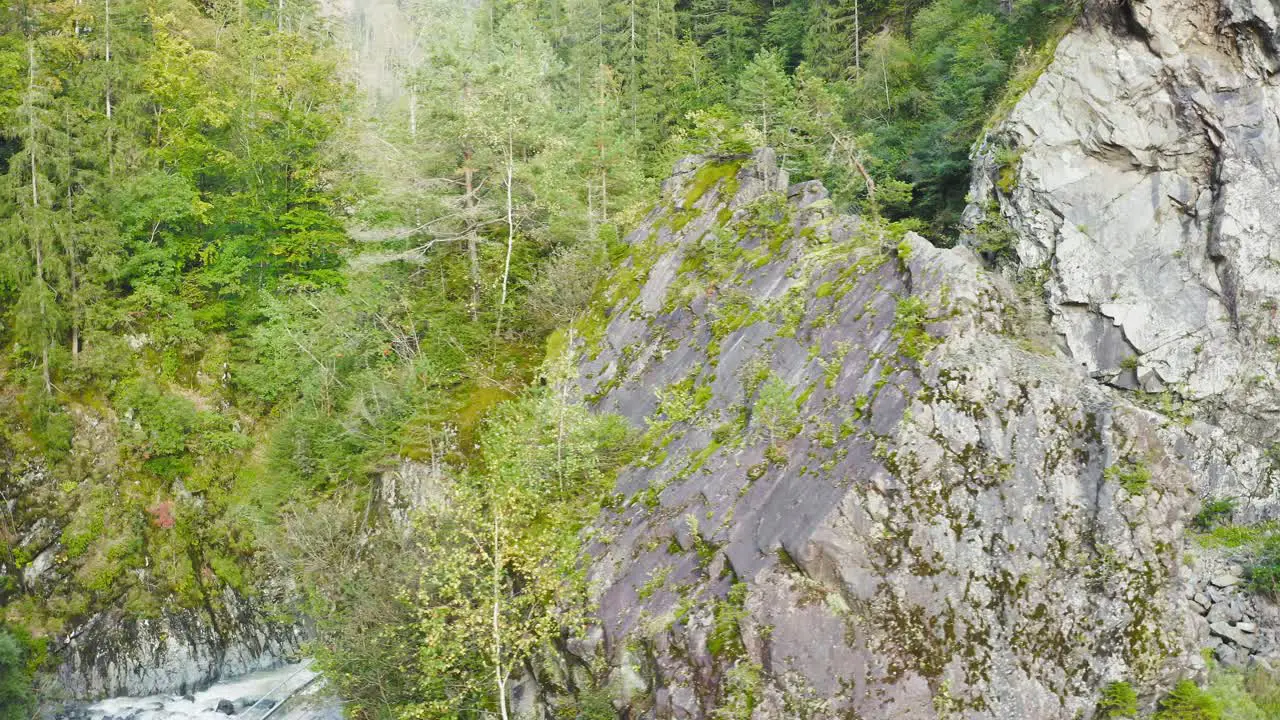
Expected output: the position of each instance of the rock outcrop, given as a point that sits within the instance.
(1140, 174)
(867, 493)
(181, 651)
(105, 646)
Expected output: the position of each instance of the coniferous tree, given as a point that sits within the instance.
(34, 232)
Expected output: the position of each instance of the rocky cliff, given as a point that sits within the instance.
(109, 630)
(1140, 173)
(875, 487)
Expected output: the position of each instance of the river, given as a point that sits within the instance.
(290, 692)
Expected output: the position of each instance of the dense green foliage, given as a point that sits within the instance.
(227, 309)
(16, 698)
(1229, 694)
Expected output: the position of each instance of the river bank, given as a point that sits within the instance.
(289, 692)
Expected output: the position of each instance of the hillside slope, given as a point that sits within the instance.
(869, 491)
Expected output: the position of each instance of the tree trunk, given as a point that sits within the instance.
(473, 254)
(499, 673)
(73, 277)
(413, 112)
(633, 83)
(35, 207)
(111, 163)
(511, 234)
(857, 36)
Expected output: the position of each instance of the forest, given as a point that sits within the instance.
(237, 285)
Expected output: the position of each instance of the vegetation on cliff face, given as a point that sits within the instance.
(16, 698)
(203, 362)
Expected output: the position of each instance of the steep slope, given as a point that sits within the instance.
(867, 493)
(117, 631)
(1140, 172)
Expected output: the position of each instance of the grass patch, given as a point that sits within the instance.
(1132, 475)
(909, 321)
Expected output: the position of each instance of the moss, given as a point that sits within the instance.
(681, 401)
(707, 177)
(734, 311)
(732, 432)
(768, 218)
(705, 549)
(831, 368)
(679, 220)
(1132, 475)
(1008, 162)
(725, 638)
(789, 311)
(657, 580)
(557, 344)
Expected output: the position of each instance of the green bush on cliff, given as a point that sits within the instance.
(16, 698)
(1213, 513)
(1189, 702)
(1119, 700)
(1264, 571)
(910, 320)
(777, 410)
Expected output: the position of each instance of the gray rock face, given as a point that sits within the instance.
(181, 651)
(934, 520)
(1140, 173)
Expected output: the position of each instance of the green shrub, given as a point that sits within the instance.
(1119, 700)
(1264, 572)
(993, 237)
(1212, 513)
(909, 320)
(593, 704)
(1228, 695)
(742, 692)
(1236, 536)
(1008, 160)
(777, 410)
(16, 698)
(51, 428)
(1189, 702)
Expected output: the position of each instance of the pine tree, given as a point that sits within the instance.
(766, 99)
(728, 30)
(34, 231)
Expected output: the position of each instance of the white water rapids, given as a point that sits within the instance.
(291, 692)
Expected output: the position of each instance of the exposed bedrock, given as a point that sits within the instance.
(941, 517)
